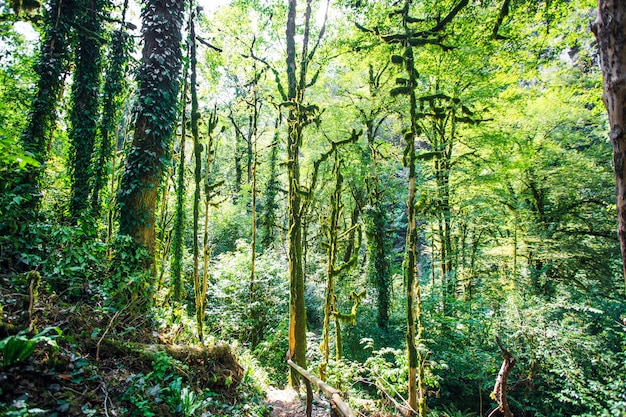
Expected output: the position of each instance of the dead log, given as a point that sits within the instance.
(500, 388)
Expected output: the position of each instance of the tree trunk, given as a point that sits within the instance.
(158, 91)
(253, 191)
(179, 219)
(330, 303)
(49, 68)
(85, 102)
(410, 261)
(199, 285)
(500, 387)
(610, 31)
(297, 310)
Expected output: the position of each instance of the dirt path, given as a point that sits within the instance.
(286, 403)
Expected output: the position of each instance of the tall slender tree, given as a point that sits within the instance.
(85, 103)
(179, 216)
(299, 115)
(410, 36)
(50, 67)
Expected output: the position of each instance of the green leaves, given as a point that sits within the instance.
(20, 347)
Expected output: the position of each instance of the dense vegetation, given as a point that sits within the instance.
(403, 196)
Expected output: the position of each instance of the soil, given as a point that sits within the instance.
(287, 403)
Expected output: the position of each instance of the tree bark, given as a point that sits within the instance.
(416, 380)
(199, 285)
(85, 102)
(500, 388)
(157, 103)
(610, 31)
(49, 68)
(330, 303)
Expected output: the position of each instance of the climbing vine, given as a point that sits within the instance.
(50, 66)
(157, 104)
(112, 103)
(85, 101)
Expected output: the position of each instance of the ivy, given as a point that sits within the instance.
(85, 103)
(156, 109)
(113, 89)
(50, 66)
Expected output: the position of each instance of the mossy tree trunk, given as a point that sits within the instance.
(179, 215)
(330, 303)
(333, 237)
(295, 96)
(199, 283)
(254, 122)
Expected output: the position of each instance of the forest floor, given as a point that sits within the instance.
(287, 403)
(82, 359)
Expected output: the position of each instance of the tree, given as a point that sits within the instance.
(299, 115)
(409, 38)
(157, 111)
(85, 103)
(50, 66)
(609, 28)
(112, 104)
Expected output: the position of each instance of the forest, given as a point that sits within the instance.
(422, 203)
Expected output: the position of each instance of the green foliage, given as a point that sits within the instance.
(15, 93)
(71, 260)
(260, 321)
(112, 103)
(20, 347)
(161, 392)
(228, 225)
(129, 280)
(75, 262)
(572, 351)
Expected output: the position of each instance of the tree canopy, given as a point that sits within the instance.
(414, 200)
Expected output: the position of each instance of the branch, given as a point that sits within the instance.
(210, 45)
(354, 136)
(504, 11)
(321, 34)
(279, 84)
(442, 25)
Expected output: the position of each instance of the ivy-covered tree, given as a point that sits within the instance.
(115, 83)
(50, 68)
(157, 106)
(85, 102)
